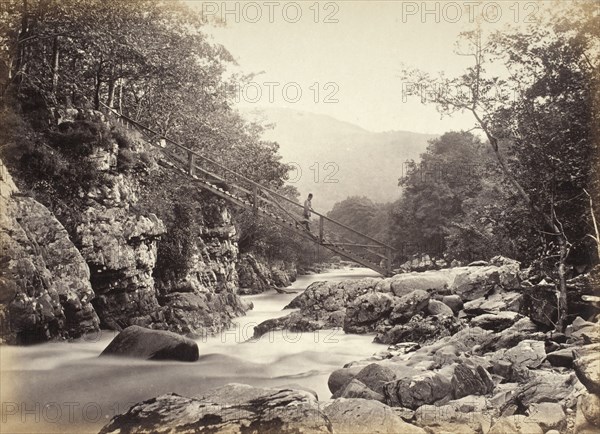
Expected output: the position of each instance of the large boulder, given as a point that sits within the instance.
(549, 415)
(542, 386)
(499, 301)
(139, 342)
(408, 305)
(495, 321)
(584, 332)
(419, 329)
(590, 407)
(454, 302)
(561, 358)
(402, 284)
(475, 282)
(331, 296)
(231, 408)
(366, 416)
(468, 415)
(526, 355)
(523, 329)
(364, 313)
(582, 424)
(419, 390)
(339, 378)
(297, 322)
(374, 376)
(435, 307)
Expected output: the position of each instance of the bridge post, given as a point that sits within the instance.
(191, 163)
(389, 254)
(321, 228)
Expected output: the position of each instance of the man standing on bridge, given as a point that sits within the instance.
(307, 211)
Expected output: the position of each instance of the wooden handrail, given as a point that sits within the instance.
(238, 175)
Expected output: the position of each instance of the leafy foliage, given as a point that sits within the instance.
(178, 245)
(151, 61)
(540, 120)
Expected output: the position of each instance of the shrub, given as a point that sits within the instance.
(123, 138)
(79, 138)
(177, 246)
(147, 158)
(126, 160)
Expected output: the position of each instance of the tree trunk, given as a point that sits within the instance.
(121, 95)
(55, 66)
(20, 63)
(562, 284)
(97, 90)
(111, 92)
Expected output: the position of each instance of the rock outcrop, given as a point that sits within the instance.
(408, 307)
(45, 290)
(231, 408)
(256, 275)
(120, 249)
(119, 242)
(204, 300)
(108, 275)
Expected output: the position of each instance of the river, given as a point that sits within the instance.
(65, 387)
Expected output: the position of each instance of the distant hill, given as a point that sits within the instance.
(362, 162)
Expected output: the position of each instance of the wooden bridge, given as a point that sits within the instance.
(246, 193)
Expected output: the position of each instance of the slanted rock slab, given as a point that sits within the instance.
(366, 416)
(549, 415)
(374, 376)
(587, 367)
(414, 392)
(514, 425)
(231, 408)
(357, 389)
(467, 381)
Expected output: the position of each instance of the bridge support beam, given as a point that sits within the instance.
(321, 229)
(191, 163)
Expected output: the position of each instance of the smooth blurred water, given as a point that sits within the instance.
(65, 387)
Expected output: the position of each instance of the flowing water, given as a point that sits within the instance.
(65, 387)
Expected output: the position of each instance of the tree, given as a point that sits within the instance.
(542, 138)
(435, 192)
(151, 61)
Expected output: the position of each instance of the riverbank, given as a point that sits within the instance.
(469, 353)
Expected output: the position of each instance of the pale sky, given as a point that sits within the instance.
(353, 54)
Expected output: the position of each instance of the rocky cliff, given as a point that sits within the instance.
(52, 287)
(45, 289)
(204, 299)
(257, 274)
(120, 244)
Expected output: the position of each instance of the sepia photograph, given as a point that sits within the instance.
(297, 217)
